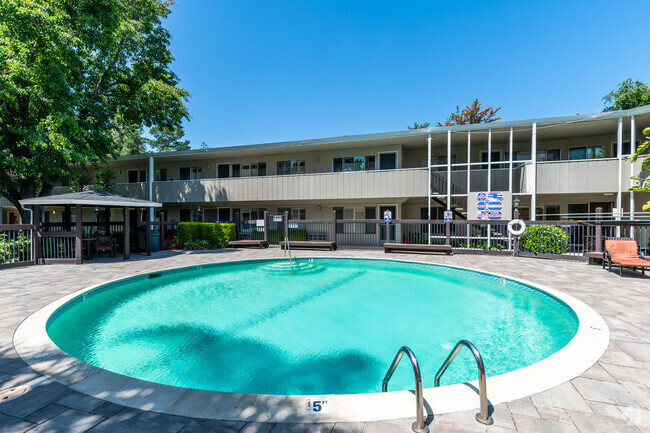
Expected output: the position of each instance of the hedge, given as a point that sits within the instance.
(276, 236)
(544, 240)
(216, 234)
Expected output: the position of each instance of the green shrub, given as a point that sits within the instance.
(544, 240)
(276, 236)
(415, 238)
(217, 235)
(12, 250)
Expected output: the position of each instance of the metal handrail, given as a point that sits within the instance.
(482, 417)
(418, 426)
(287, 248)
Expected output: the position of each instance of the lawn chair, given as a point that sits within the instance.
(105, 243)
(624, 254)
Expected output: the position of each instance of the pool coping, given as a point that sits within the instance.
(36, 348)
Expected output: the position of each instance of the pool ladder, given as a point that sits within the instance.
(288, 248)
(419, 426)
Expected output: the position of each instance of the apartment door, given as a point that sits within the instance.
(382, 230)
(388, 161)
(223, 171)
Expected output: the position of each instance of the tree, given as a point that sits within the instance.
(628, 94)
(106, 180)
(129, 140)
(417, 125)
(72, 71)
(80, 182)
(644, 184)
(168, 139)
(472, 114)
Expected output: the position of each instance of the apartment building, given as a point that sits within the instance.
(554, 167)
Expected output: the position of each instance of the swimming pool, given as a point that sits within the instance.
(325, 326)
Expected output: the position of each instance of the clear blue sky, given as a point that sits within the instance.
(264, 71)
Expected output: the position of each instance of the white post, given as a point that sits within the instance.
(632, 181)
(619, 153)
(429, 193)
(448, 170)
(533, 154)
(510, 168)
(150, 179)
(489, 183)
(469, 178)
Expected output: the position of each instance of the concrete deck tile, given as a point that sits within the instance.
(42, 415)
(502, 417)
(392, 426)
(70, 421)
(9, 424)
(212, 426)
(107, 409)
(553, 414)
(257, 427)
(563, 396)
(498, 429)
(527, 424)
(36, 399)
(349, 427)
(602, 424)
(636, 376)
(637, 351)
(303, 427)
(606, 409)
(523, 406)
(639, 417)
(605, 392)
(640, 394)
(81, 402)
(597, 372)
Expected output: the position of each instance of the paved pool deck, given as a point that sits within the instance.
(612, 396)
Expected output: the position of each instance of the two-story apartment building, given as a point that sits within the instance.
(554, 166)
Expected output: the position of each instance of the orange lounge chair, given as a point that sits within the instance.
(624, 254)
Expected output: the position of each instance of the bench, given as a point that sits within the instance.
(310, 245)
(389, 247)
(594, 257)
(249, 243)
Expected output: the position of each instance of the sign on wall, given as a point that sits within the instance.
(489, 206)
(448, 216)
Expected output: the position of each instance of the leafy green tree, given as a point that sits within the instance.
(168, 139)
(471, 114)
(644, 184)
(417, 125)
(628, 94)
(129, 140)
(72, 71)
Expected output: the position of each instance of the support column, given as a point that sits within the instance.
(448, 170)
(510, 160)
(127, 233)
(147, 233)
(429, 193)
(489, 161)
(619, 193)
(150, 179)
(632, 181)
(162, 230)
(334, 224)
(266, 227)
(78, 223)
(286, 225)
(533, 154)
(36, 237)
(599, 230)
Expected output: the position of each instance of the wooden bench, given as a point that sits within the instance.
(310, 245)
(249, 243)
(594, 257)
(390, 247)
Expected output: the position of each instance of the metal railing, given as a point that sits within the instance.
(419, 425)
(16, 245)
(483, 416)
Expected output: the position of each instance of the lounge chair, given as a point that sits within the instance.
(624, 254)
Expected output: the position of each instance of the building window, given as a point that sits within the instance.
(353, 163)
(578, 208)
(246, 170)
(388, 160)
(186, 215)
(160, 175)
(627, 148)
(135, 176)
(294, 213)
(190, 173)
(290, 167)
(548, 155)
(587, 152)
(223, 171)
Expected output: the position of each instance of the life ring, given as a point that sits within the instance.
(518, 232)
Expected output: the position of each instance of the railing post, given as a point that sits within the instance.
(266, 227)
(162, 230)
(447, 233)
(127, 233)
(78, 223)
(237, 223)
(599, 230)
(387, 231)
(516, 248)
(147, 233)
(36, 239)
(334, 226)
(286, 224)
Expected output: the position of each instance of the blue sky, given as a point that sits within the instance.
(265, 71)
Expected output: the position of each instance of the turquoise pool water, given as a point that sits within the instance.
(327, 326)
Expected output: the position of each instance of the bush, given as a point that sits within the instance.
(216, 235)
(12, 250)
(277, 236)
(415, 238)
(544, 240)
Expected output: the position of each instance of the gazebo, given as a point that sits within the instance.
(93, 199)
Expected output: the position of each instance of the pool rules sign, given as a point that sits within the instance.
(489, 206)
